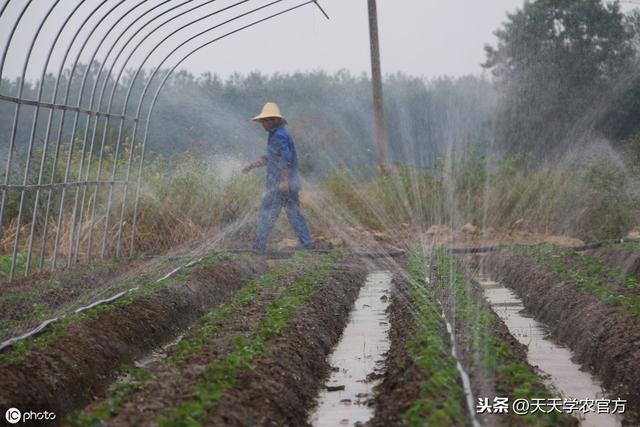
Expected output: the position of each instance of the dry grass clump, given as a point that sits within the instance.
(594, 200)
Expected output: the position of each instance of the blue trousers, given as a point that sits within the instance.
(272, 203)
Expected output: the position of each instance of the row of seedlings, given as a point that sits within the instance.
(421, 384)
(224, 370)
(75, 358)
(507, 390)
(588, 304)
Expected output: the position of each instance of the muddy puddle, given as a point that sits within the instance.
(158, 354)
(552, 359)
(359, 354)
(149, 360)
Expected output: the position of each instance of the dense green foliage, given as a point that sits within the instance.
(565, 69)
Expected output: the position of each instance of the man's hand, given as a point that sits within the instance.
(284, 181)
(284, 186)
(258, 163)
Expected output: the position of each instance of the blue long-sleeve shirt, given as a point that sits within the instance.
(281, 154)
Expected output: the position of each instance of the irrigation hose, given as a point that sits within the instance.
(40, 328)
(280, 255)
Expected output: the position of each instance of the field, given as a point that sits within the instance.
(201, 331)
(238, 340)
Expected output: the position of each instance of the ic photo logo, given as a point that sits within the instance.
(13, 415)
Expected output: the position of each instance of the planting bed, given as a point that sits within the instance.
(258, 359)
(589, 304)
(625, 257)
(27, 301)
(246, 343)
(75, 359)
(495, 361)
(422, 385)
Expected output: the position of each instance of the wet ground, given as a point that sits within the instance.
(352, 333)
(365, 340)
(552, 359)
(602, 334)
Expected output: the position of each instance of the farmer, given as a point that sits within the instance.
(283, 182)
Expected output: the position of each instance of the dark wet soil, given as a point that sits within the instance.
(68, 372)
(403, 378)
(51, 290)
(281, 389)
(172, 382)
(604, 338)
(485, 382)
(281, 386)
(623, 258)
(26, 301)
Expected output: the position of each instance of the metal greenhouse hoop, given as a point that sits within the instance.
(82, 174)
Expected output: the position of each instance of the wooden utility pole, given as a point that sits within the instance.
(376, 80)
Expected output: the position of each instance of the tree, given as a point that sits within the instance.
(556, 64)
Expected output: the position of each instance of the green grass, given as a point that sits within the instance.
(21, 264)
(57, 330)
(442, 398)
(591, 273)
(496, 356)
(221, 375)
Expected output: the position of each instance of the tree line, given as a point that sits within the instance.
(563, 72)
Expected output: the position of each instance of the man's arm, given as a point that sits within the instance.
(257, 164)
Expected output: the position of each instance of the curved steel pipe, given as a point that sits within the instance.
(75, 123)
(159, 89)
(45, 146)
(58, 139)
(2, 203)
(50, 121)
(13, 130)
(125, 104)
(110, 104)
(144, 91)
(127, 97)
(87, 148)
(95, 128)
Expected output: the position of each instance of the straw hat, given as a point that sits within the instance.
(270, 109)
